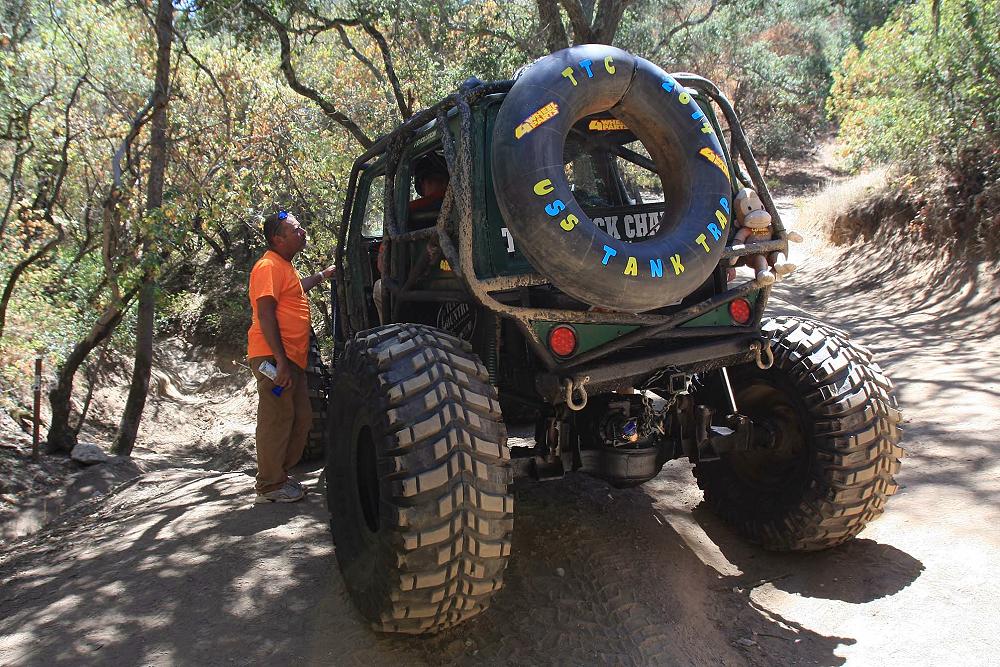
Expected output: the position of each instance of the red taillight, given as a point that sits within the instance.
(562, 340)
(739, 310)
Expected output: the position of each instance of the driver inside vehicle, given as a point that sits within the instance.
(430, 182)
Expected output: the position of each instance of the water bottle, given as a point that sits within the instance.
(269, 370)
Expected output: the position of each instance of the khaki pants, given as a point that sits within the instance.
(283, 424)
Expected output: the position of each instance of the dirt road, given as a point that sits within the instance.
(178, 568)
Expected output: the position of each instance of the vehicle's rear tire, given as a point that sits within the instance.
(418, 476)
(318, 378)
(837, 442)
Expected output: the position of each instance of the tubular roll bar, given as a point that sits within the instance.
(459, 197)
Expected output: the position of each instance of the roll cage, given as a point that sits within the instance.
(687, 337)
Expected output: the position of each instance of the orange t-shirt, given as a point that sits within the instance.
(274, 276)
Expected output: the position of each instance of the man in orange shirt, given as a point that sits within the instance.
(279, 334)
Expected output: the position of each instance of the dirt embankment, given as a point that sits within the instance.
(178, 567)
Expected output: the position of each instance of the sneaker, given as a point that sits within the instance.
(297, 484)
(286, 494)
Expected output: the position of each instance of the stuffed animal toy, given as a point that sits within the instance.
(754, 225)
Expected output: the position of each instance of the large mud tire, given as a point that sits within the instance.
(552, 229)
(418, 476)
(837, 445)
(318, 378)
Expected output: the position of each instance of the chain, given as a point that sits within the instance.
(653, 418)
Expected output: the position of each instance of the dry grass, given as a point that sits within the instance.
(817, 212)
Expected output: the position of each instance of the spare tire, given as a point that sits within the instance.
(548, 224)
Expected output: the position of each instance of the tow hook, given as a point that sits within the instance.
(763, 354)
(573, 386)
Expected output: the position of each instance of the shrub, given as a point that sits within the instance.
(923, 90)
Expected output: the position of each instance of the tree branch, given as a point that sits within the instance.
(21, 267)
(211, 77)
(363, 59)
(405, 109)
(582, 30)
(326, 105)
(687, 23)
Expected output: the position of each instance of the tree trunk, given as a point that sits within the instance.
(92, 376)
(62, 437)
(552, 26)
(136, 401)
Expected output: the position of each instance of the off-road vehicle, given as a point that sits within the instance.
(575, 276)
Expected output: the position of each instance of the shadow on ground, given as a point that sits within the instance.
(179, 568)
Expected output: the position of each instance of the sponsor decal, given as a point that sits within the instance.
(457, 317)
(715, 159)
(606, 125)
(548, 111)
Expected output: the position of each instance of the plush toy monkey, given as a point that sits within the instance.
(754, 225)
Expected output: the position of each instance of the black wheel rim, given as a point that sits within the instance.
(367, 476)
(773, 406)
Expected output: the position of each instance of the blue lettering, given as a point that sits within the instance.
(716, 232)
(555, 208)
(725, 204)
(656, 268)
(668, 85)
(609, 252)
(585, 64)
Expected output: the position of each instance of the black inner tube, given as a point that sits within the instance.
(551, 228)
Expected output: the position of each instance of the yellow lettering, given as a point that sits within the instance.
(706, 128)
(683, 98)
(543, 187)
(721, 218)
(678, 267)
(631, 269)
(701, 241)
(568, 73)
(569, 222)
(608, 65)
(444, 265)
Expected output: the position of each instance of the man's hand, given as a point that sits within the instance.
(284, 376)
(311, 281)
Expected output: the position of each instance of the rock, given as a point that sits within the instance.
(746, 641)
(88, 453)
(560, 572)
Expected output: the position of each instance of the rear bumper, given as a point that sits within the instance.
(635, 370)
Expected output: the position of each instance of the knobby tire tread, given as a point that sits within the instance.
(444, 472)
(855, 455)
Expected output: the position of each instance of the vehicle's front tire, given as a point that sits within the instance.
(418, 476)
(836, 449)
